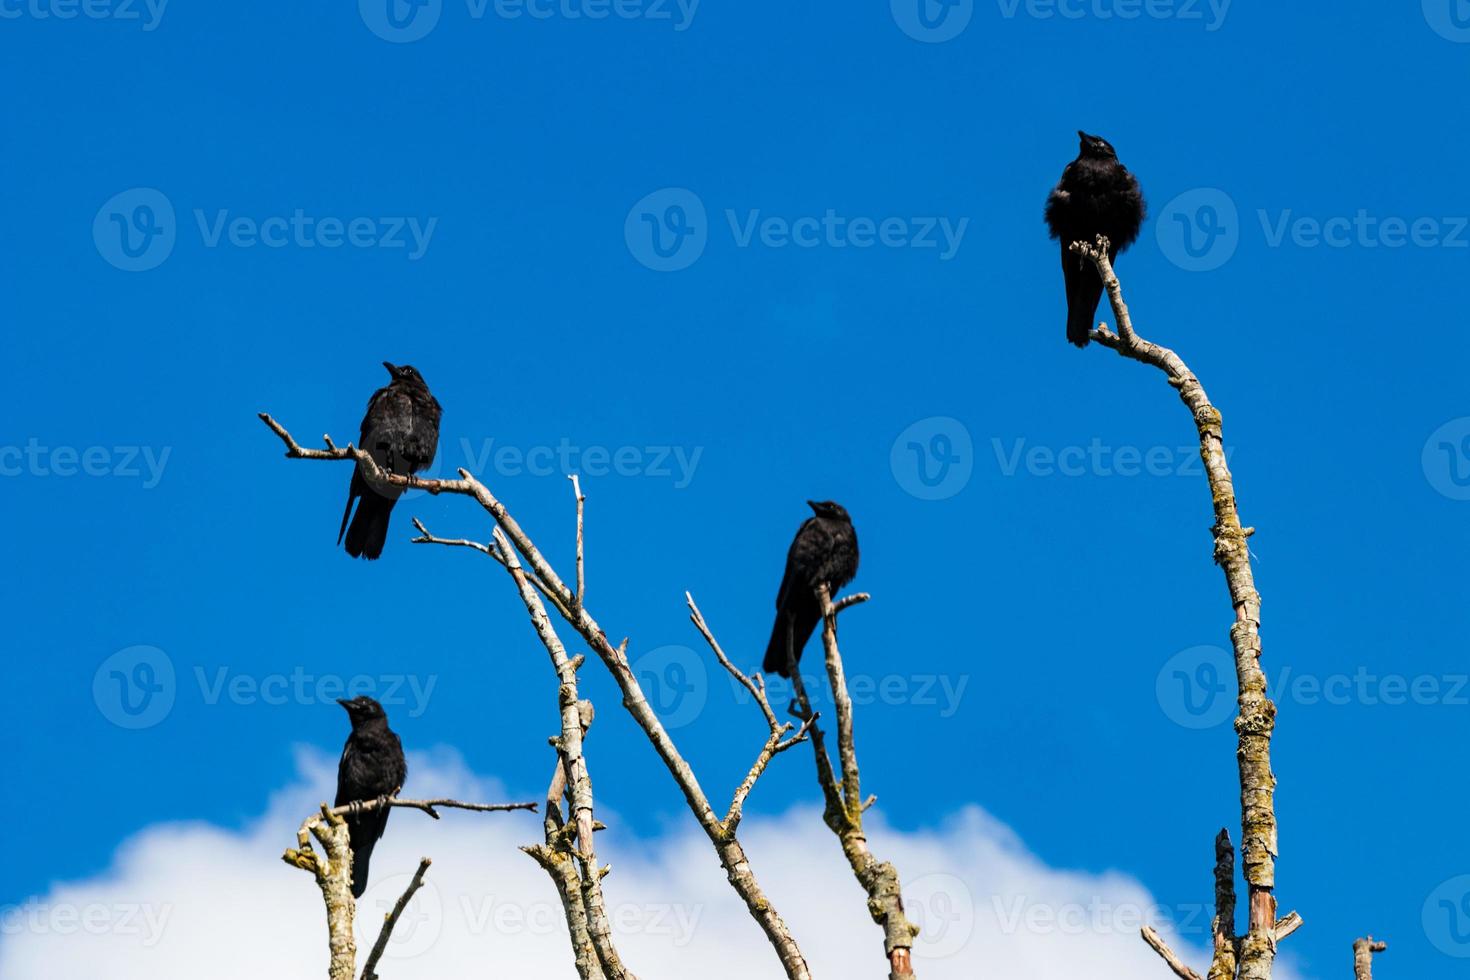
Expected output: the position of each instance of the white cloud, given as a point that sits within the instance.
(183, 901)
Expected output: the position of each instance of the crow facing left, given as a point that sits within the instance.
(372, 765)
(401, 432)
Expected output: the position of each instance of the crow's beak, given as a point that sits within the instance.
(391, 369)
(1083, 136)
(813, 505)
(346, 704)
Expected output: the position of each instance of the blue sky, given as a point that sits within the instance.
(308, 193)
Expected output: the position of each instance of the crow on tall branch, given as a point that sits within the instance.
(1096, 196)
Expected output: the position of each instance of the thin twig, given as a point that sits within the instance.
(485, 549)
(427, 806)
(369, 971)
(1162, 948)
(581, 574)
(775, 741)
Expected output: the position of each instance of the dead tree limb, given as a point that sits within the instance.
(578, 782)
(1363, 950)
(776, 742)
(1257, 717)
(555, 857)
(1156, 942)
(333, 872)
(369, 971)
(844, 803)
(332, 868)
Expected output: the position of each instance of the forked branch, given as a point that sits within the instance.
(845, 804)
(332, 869)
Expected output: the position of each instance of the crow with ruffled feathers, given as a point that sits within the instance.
(825, 552)
(372, 765)
(401, 432)
(1096, 196)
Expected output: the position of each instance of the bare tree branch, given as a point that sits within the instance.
(1162, 948)
(846, 748)
(555, 856)
(581, 573)
(775, 743)
(845, 806)
(562, 868)
(391, 920)
(333, 867)
(1287, 924)
(834, 811)
(486, 549)
(574, 765)
(427, 806)
(333, 873)
(1257, 718)
(1363, 950)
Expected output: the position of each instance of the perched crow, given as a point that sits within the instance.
(401, 431)
(1096, 196)
(825, 551)
(372, 766)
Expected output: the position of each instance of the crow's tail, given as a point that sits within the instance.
(802, 622)
(1084, 292)
(1079, 326)
(369, 528)
(363, 834)
(360, 858)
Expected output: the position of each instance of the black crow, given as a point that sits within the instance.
(372, 766)
(1096, 196)
(825, 551)
(401, 431)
